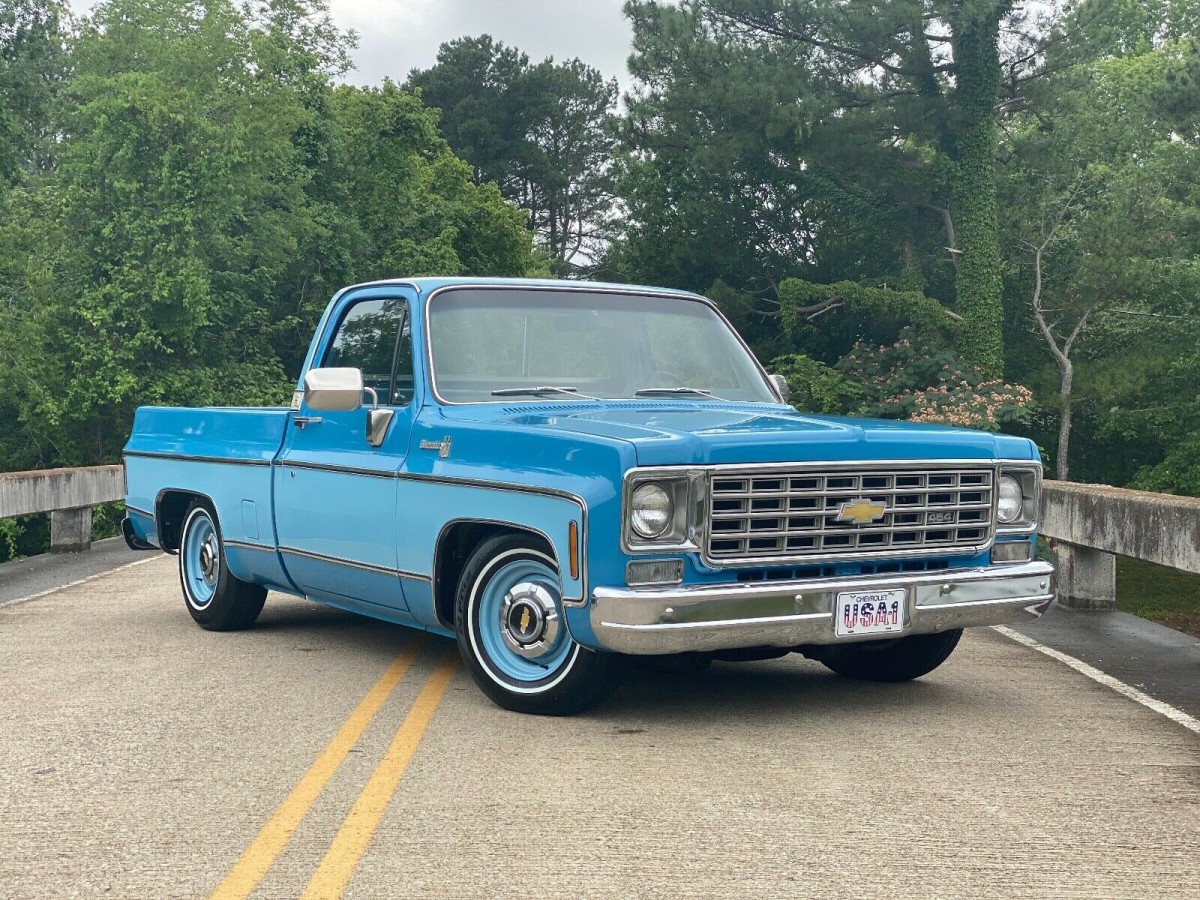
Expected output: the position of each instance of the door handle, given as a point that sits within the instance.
(301, 421)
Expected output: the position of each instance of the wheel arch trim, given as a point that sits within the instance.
(490, 526)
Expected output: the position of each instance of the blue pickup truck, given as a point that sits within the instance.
(561, 475)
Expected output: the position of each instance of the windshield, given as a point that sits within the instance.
(548, 345)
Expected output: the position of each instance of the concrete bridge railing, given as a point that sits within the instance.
(67, 494)
(1092, 524)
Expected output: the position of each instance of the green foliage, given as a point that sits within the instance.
(818, 388)
(10, 533)
(418, 211)
(881, 310)
(1178, 473)
(542, 132)
(1102, 180)
(209, 189)
(32, 67)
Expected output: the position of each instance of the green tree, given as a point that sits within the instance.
(32, 67)
(866, 130)
(414, 202)
(544, 133)
(1101, 207)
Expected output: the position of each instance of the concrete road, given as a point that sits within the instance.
(321, 754)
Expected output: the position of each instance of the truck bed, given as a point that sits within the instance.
(223, 453)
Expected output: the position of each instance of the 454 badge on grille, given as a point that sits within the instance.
(861, 511)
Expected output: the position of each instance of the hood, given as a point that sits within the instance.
(705, 432)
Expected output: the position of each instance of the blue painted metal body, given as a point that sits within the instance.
(318, 512)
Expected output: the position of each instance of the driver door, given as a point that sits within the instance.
(335, 493)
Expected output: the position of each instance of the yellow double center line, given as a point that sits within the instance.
(360, 825)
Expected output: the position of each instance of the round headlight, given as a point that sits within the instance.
(1012, 500)
(651, 510)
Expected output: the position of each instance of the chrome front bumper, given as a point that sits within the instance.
(679, 619)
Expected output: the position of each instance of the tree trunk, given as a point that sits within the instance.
(978, 280)
(1066, 386)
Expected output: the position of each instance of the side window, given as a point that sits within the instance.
(367, 340)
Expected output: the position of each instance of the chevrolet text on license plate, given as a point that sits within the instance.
(869, 612)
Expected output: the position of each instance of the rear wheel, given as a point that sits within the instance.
(899, 660)
(216, 598)
(513, 638)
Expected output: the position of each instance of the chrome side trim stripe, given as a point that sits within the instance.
(366, 567)
(245, 545)
(342, 470)
(146, 514)
(188, 457)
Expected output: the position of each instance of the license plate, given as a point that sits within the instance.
(869, 612)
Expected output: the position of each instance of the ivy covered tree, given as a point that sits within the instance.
(864, 132)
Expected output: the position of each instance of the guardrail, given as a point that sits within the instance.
(1092, 524)
(67, 494)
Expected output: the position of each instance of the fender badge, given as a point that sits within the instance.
(861, 511)
(442, 446)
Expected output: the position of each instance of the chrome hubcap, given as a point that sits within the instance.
(209, 565)
(529, 620)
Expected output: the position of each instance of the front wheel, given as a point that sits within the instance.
(217, 599)
(513, 638)
(898, 660)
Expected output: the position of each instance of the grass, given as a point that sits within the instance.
(1163, 595)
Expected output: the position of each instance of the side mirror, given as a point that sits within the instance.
(781, 387)
(334, 390)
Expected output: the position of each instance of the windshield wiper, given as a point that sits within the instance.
(698, 392)
(538, 391)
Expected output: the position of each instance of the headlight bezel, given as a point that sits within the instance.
(1029, 477)
(685, 488)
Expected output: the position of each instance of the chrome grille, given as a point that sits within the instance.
(777, 515)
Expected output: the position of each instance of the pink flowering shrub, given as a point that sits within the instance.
(916, 380)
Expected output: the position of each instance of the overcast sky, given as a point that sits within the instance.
(395, 36)
(398, 35)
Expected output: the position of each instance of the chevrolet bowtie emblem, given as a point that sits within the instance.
(861, 511)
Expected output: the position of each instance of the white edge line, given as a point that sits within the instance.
(71, 584)
(1175, 715)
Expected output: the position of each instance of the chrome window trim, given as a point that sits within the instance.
(573, 288)
(699, 529)
(1034, 467)
(331, 335)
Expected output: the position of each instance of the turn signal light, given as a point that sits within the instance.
(573, 549)
(1012, 551)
